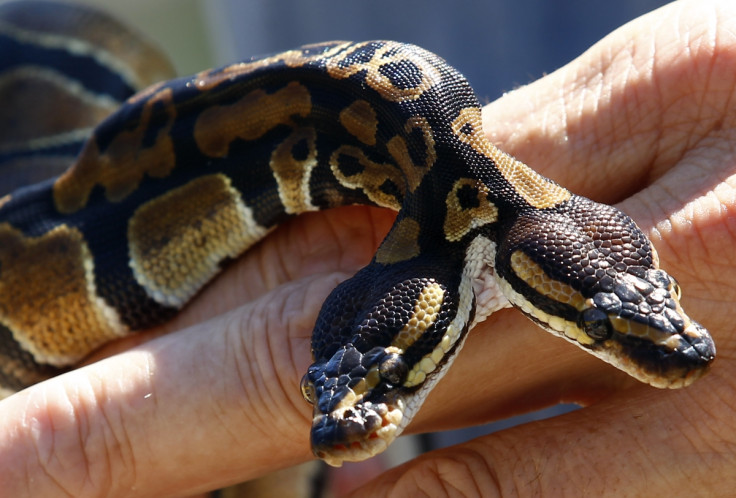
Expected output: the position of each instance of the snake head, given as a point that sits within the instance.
(357, 409)
(586, 272)
(637, 322)
(380, 344)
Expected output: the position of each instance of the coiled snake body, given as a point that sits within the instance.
(191, 172)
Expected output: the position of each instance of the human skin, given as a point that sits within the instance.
(642, 120)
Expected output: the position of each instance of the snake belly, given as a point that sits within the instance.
(191, 172)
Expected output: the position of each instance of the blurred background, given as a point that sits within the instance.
(498, 45)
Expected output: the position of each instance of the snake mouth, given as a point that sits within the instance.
(673, 363)
(356, 433)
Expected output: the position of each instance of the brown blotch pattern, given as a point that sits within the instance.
(335, 58)
(370, 178)
(48, 297)
(359, 119)
(535, 189)
(399, 150)
(249, 118)
(292, 174)
(401, 243)
(459, 220)
(121, 167)
(427, 74)
(332, 197)
(178, 240)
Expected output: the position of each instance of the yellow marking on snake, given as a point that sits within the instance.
(401, 243)
(49, 300)
(360, 120)
(375, 77)
(533, 274)
(249, 118)
(459, 221)
(643, 330)
(537, 190)
(635, 329)
(561, 326)
(292, 174)
(124, 162)
(426, 311)
(429, 363)
(399, 151)
(178, 240)
(370, 179)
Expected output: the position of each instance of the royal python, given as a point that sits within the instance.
(191, 172)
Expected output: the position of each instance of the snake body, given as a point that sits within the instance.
(191, 172)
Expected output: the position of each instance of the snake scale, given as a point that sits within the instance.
(191, 172)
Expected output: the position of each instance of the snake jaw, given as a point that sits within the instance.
(355, 433)
(356, 416)
(357, 412)
(650, 336)
(672, 363)
(665, 350)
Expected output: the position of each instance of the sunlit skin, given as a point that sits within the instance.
(648, 105)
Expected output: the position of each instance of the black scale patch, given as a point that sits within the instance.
(402, 74)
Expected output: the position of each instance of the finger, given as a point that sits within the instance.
(662, 444)
(626, 110)
(220, 400)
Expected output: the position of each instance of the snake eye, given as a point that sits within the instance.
(676, 288)
(595, 323)
(393, 368)
(307, 389)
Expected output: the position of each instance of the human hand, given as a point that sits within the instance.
(219, 402)
(643, 119)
